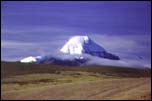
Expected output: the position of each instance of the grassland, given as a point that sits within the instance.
(33, 81)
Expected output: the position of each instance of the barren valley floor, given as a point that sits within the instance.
(136, 88)
(82, 83)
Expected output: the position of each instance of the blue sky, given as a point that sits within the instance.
(40, 28)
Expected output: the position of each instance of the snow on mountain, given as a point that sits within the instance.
(31, 59)
(28, 59)
(83, 44)
(79, 51)
(73, 53)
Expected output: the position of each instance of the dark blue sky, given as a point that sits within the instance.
(37, 27)
(95, 17)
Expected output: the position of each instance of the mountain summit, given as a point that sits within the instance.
(81, 51)
(84, 45)
(77, 51)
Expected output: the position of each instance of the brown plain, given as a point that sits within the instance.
(43, 82)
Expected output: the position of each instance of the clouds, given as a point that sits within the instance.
(131, 50)
(125, 44)
(120, 63)
(15, 44)
(37, 29)
(128, 47)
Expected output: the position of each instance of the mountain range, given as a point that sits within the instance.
(78, 50)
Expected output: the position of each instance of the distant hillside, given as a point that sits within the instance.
(16, 68)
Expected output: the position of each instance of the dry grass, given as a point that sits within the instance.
(40, 82)
(9, 69)
(28, 81)
(111, 89)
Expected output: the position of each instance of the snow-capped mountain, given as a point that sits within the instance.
(28, 59)
(31, 59)
(74, 48)
(73, 52)
(79, 51)
(83, 44)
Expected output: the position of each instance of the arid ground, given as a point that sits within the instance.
(45, 81)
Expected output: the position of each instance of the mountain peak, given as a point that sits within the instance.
(28, 59)
(83, 44)
(75, 48)
(79, 45)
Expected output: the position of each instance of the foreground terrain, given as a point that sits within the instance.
(32, 81)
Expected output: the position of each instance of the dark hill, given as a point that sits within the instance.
(16, 68)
